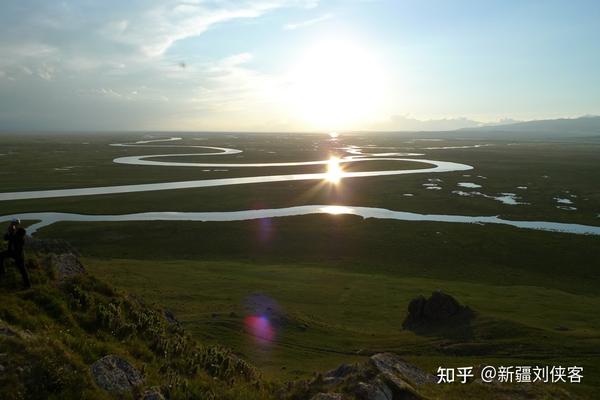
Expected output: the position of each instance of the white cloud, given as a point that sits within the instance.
(309, 22)
(155, 29)
(104, 65)
(46, 72)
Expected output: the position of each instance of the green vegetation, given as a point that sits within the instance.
(343, 283)
(52, 333)
(547, 169)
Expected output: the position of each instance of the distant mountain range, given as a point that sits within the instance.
(564, 127)
(583, 127)
(405, 123)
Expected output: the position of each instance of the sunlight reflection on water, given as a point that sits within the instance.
(336, 210)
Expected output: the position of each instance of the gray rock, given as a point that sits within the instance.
(389, 363)
(373, 391)
(115, 374)
(327, 396)
(57, 246)
(337, 375)
(66, 265)
(152, 394)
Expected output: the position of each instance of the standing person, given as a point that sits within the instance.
(15, 236)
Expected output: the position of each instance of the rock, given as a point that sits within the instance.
(438, 309)
(327, 396)
(115, 374)
(373, 391)
(389, 363)
(66, 265)
(440, 306)
(152, 394)
(399, 387)
(417, 305)
(342, 371)
(57, 246)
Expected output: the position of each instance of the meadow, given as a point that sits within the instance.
(342, 283)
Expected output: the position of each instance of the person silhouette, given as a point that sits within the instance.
(15, 236)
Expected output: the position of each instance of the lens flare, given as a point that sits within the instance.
(260, 327)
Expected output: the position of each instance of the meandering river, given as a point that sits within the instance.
(431, 166)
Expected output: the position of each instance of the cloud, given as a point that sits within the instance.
(309, 22)
(106, 65)
(45, 72)
(153, 30)
(110, 33)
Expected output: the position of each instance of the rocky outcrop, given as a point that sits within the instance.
(152, 394)
(339, 374)
(439, 309)
(55, 246)
(327, 396)
(390, 364)
(376, 390)
(66, 265)
(115, 374)
(385, 376)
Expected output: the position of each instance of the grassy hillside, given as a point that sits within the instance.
(341, 284)
(52, 333)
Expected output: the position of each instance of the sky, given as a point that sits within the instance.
(295, 65)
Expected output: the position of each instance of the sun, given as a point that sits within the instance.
(336, 84)
(334, 171)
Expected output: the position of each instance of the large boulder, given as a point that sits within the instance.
(327, 396)
(66, 265)
(392, 365)
(47, 246)
(152, 394)
(385, 376)
(439, 309)
(339, 374)
(375, 390)
(115, 374)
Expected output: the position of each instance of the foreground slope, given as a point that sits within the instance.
(72, 336)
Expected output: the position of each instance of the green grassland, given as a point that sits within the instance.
(52, 333)
(343, 282)
(547, 169)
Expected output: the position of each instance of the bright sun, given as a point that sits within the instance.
(336, 84)
(334, 171)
